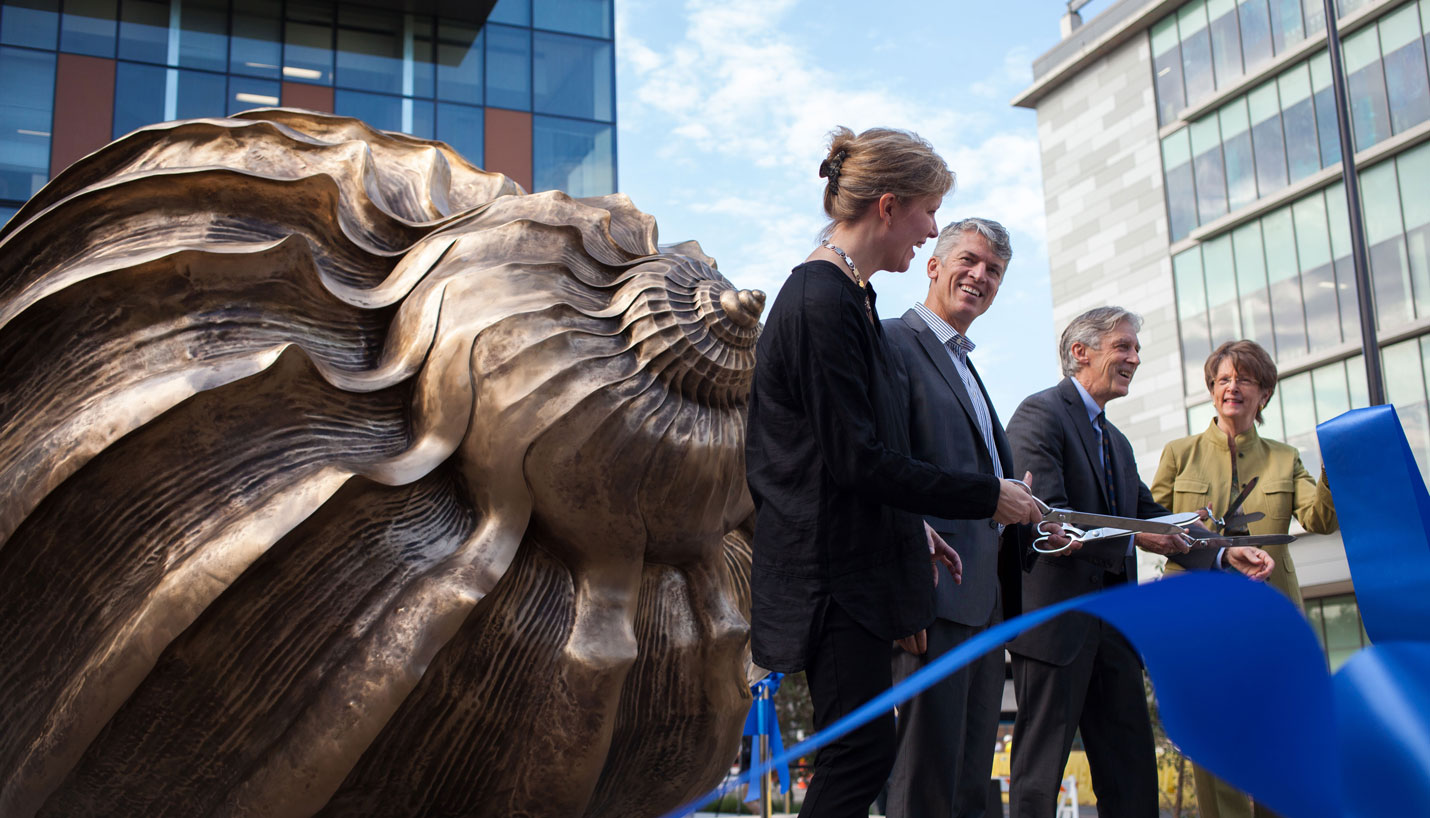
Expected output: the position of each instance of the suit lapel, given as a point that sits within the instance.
(1077, 416)
(938, 353)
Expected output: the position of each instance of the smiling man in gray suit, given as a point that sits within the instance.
(947, 734)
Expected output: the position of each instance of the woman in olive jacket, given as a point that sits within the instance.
(1212, 467)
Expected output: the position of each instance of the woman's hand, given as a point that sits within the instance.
(1250, 561)
(1015, 503)
(942, 552)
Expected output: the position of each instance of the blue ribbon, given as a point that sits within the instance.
(1240, 677)
(762, 721)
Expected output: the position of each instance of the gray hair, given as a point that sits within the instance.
(1087, 329)
(995, 233)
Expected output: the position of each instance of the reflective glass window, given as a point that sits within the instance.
(1318, 276)
(1405, 388)
(1345, 7)
(1181, 193)
(1413, 168)
(34, 23)
(1266, 140)
(308, 42)
(1223, 310)
(88, 27)
(385, 112)
(1315, 15)
(1167, 69)
(1355, 378)
(572, 76)
(420, 41)
(1192, 312)
(1199, 417)
(1196, 50)
(27, 94)
(1255, 32)
(1287, 28)
(1343, 629)
(1425, 24)
(1226, 41)
(144, 32)
(1327, 131)
(252, 92)
(146, 94)
(370, 50)
(1208, 169)
(1284, 280)
(513, 12)
(1332, 395)
(1251, 284)
(589, 17)
(508, 67)
(577, 157)
(1236, 149)
(1406, 85)
(1389, 263)
(459, 62)
(1339, 220)
(1370, 113)
(1298, 414)
(257, 48)
(462, 127)
(203, 34)
(6, 212)
(1275, 422)
(1298, 122)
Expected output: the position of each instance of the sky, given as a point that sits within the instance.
(723, 114)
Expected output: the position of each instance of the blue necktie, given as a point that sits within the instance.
(1108, 480)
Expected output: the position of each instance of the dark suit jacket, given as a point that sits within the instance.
(1053, 438)
(943, 430)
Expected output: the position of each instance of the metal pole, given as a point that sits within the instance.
(766, 805)
(1365, 297)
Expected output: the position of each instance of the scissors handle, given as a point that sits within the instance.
(1043, 508)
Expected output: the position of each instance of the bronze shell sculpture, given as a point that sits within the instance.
(340, 477)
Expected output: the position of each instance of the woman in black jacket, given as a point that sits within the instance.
(841, 559)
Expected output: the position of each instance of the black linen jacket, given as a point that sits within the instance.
(836, 492)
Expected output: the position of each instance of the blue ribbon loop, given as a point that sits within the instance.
(1240, 676)
(762, 721)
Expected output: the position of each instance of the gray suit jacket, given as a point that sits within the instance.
(1053, 438)
(943, 430)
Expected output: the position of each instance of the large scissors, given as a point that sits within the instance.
(1235, 521)
(1084, 527)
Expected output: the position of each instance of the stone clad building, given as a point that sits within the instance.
(1191, 172)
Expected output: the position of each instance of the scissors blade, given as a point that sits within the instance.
(1257, 540)
(1235, 507)
(1170, 524)
(1239, 521)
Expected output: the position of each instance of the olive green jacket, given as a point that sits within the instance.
(1196, 470)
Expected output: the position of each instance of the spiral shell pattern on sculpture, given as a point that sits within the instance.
(341, 477)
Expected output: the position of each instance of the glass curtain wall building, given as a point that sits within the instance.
(1192, 171)
(525, 87)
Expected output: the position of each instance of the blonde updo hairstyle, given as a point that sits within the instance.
(862, 168)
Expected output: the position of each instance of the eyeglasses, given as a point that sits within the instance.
(1243, 383)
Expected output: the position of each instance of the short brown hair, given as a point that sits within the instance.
(862, 168)
(1249, 360)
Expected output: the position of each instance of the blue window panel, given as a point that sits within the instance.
(138, 96)
(250, 92)
(1167, 69)
(308, 42)
(463, 127)
(370, 50)
(589, 17)
(6, 211)
(1370, 110)
(144, 32)
(1405, 79)
(35, 23)
(1181, 191)
(27, 92)
(572, 76)
(257, 39)
(1255, 23)
(198, 94)
(1196, 51)
(577, 157)
(203, 34)
(508, 67)
(423, 61)
(459, 62)
(512, 12)
(88, 27)
(386, 113)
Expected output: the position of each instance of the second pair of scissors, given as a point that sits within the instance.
(1081, 526)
